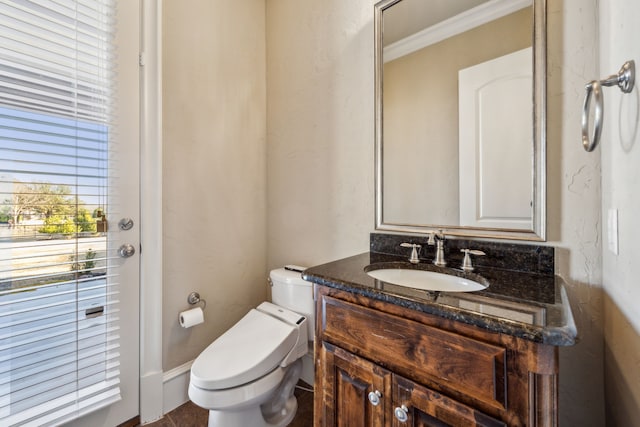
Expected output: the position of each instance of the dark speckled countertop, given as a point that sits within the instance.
(529, 305)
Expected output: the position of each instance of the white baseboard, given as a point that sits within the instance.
(175, 386)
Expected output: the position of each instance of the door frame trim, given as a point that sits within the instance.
(151, 374)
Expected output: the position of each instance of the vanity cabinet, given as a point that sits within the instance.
(380, 364)
(355, 390)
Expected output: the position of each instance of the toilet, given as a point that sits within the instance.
(247, 376)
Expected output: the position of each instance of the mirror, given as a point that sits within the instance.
(460, 117)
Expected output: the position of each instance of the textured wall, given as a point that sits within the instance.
(214, 126)
(619, 34)
(320, 157)
(574, 206)
(320, 129)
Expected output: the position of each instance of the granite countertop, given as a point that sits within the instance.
(527, 305)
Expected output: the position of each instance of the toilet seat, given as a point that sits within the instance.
(236, 397)
(252, 348)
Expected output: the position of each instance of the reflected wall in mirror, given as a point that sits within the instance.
(460, 104)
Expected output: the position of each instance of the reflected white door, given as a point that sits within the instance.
(496, 142)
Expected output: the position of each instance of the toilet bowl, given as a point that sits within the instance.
(246, 377)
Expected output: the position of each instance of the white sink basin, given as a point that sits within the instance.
(426, 280)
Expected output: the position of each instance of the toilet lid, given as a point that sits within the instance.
(252, 348)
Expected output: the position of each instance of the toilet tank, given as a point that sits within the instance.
(290, 291)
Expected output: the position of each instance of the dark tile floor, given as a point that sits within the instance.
(190, 415)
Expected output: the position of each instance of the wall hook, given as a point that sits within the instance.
(625, 80)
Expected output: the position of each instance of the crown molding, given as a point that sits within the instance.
(457, 24)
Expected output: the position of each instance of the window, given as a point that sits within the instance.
(58, 288)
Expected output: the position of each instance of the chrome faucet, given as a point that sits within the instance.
(413, 259)
(437, 239)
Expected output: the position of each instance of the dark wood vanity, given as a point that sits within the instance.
(437, 369)
(392, 356)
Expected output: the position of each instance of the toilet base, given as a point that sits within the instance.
(251, 418)
(273, 407)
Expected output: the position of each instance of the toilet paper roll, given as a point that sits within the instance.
(192, 317)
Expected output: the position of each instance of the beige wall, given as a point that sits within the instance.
(214, 126)
(574, 206)
(320, 157)
(320, 130)
(620, 150)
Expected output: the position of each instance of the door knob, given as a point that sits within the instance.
(127, 250)
(401, 413)
(374, 397)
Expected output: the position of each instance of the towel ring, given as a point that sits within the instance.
(625, 80)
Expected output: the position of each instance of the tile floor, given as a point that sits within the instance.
(190, 415)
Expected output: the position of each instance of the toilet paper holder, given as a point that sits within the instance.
(194, 298)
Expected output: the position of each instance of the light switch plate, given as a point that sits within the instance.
(612, 230)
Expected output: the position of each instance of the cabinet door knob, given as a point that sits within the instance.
(374, 397)
(402, 413)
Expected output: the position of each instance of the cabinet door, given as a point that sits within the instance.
(355, 392)
(418, 406)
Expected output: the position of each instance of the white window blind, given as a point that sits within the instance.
(58, 288)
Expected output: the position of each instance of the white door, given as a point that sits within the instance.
(496, 143)
(69, 302)
(125, 204)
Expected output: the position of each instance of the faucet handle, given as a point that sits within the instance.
(466, 262)
(414, 251)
